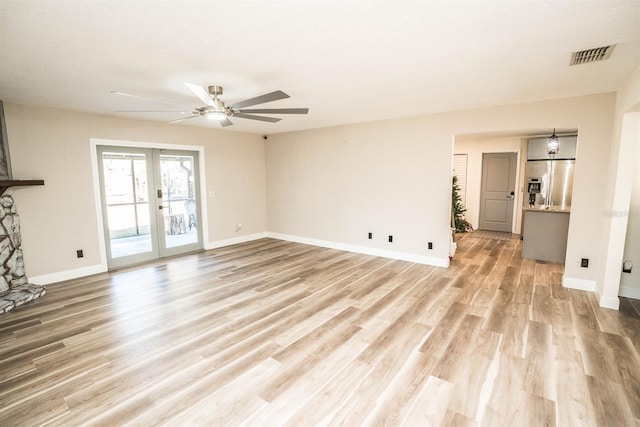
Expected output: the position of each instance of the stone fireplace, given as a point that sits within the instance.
(15, 288)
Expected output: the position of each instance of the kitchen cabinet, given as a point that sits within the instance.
(545, 233)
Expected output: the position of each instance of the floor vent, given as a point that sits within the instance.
(591, 55)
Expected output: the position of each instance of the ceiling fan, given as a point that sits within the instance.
(215, 108)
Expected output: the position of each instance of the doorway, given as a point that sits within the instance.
(497, 193)
(150, 203)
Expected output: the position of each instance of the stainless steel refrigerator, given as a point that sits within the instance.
(549, 183)
(549, 178)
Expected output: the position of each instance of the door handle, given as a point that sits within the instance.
(510, 196)
(162, 207)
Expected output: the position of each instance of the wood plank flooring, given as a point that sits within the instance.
(276, 333)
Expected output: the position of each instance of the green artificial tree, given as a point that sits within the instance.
(458, 209)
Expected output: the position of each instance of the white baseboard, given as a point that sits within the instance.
(590, 286)
(629, 292)
(418, 259)
(61, 276)
(610, 302)
(235, 240)
(579, 284)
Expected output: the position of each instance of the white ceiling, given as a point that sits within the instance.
(348, 61)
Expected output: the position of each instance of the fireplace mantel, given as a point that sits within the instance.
(7, 183)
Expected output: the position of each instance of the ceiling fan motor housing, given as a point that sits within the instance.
(215, 90)
(215, 108)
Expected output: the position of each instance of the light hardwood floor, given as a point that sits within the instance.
(276, 333)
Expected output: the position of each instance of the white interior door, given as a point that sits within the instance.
(150, 203)
(497, 194)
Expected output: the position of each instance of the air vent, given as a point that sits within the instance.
(591, 55)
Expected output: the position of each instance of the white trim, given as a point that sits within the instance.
(402, 256)
(61, 276)
(102, 245)
(142, 144)
(235, 240)
(579, 284)
(590, 286)
(610, 302)
(517, 200)
(628, 292)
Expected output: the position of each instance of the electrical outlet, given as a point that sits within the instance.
(584, 262)
(430, 245)
(80, 253)
(370, 235)
(390, 239)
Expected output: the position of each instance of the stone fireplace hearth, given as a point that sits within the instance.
(15, 288)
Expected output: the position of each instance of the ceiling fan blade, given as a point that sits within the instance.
(116, 92)
(201, 93)
(277, 110)
(183, 118)
(152, 111)
(261, 118)
(225, 123)
(273, 96)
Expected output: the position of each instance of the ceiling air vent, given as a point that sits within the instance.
(591, 55)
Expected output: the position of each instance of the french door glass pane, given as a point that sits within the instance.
(126, 193)
(140, 170)
(179, 199)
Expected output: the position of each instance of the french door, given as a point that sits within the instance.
(150, 203)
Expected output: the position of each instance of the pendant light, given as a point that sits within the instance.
(553, 143)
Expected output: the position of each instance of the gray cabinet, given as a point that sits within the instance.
(537, 148)
(545, 234)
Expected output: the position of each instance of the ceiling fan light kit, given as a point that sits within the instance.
(216, 110)
(216, 115)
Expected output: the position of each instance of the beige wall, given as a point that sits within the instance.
(61, 217)
(393, 177)
(628, 106)
(334, 184)
(338, 184)
(475, 147)
(630, 282)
